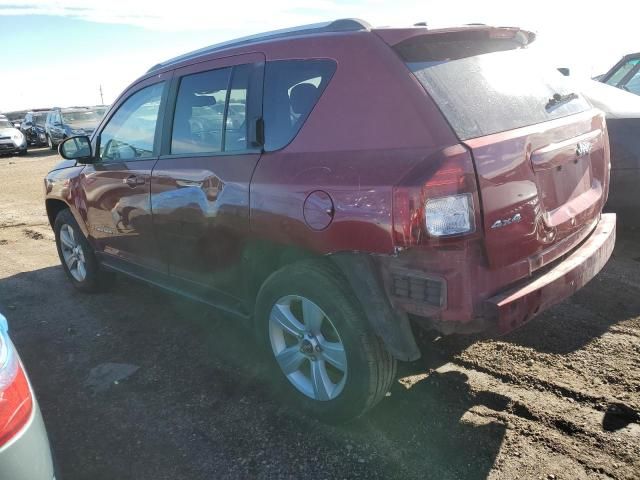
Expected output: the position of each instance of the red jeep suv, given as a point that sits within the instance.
(334, 184)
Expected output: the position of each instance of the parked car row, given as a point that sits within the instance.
(49, 127)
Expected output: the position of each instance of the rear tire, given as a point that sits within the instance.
(324, 328)
(77, 256)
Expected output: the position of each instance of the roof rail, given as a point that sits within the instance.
(340, 25)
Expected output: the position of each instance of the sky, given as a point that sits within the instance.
(61, 52)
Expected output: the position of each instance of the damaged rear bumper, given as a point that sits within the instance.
(514, 307)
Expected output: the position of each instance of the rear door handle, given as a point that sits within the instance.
(134, 180)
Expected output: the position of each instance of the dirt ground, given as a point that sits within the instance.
(138, 384)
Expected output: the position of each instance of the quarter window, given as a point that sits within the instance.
(130, 133)
(291, 90)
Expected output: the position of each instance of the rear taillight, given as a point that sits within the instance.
(16, 402)
(437, 200)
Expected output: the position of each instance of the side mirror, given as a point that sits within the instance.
(76, 148)
(564, 71)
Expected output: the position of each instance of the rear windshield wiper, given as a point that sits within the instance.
(558, 99)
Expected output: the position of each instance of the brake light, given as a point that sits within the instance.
(16, 402)
(436, 200)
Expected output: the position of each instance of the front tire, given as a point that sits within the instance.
(77, 256)
(322, 350)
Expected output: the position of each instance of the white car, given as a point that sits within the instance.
(24, 446)
(12, 140)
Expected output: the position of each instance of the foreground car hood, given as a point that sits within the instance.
(8, 132)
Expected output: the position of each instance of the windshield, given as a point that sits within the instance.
(5, 124)
(494, 92)
(81, 116)
(40, 118)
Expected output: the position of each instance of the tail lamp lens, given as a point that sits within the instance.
(16, 402)
(438, 201)
(451, 215)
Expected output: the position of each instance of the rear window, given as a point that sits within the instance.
(493, 92)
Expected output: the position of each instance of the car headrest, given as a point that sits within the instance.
(302, 98)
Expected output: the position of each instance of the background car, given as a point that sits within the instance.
(62, 123)
(25, 453)
(623, 123)
(15, 117)
(33, 127)
(12, 140)
(625, 74)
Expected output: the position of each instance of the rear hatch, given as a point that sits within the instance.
(540, 151)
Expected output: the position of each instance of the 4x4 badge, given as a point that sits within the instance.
(583, 149)
(517, 218)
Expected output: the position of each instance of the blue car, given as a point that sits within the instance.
(62, 123)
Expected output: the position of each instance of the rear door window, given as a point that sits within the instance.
(291, 90)
(199, 115)
(494, 92)
(212, 110)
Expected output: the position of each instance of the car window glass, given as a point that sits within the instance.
(619, 74)
(199, 115)
(130, 132)
(39, 119)
(236, 124)
(489, 93)
(633, 85)
(291, 90)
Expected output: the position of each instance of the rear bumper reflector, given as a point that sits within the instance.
(417, 289)
(515, 307)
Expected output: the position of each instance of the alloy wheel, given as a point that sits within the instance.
(308, 347)
(72, 253)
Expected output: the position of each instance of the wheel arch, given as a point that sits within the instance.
(55, 205)
(358, 269)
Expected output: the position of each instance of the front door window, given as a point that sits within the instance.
(131, 131)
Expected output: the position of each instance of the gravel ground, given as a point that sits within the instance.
(138, 384)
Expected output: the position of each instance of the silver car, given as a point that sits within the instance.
(24, 446)
(12, 140)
